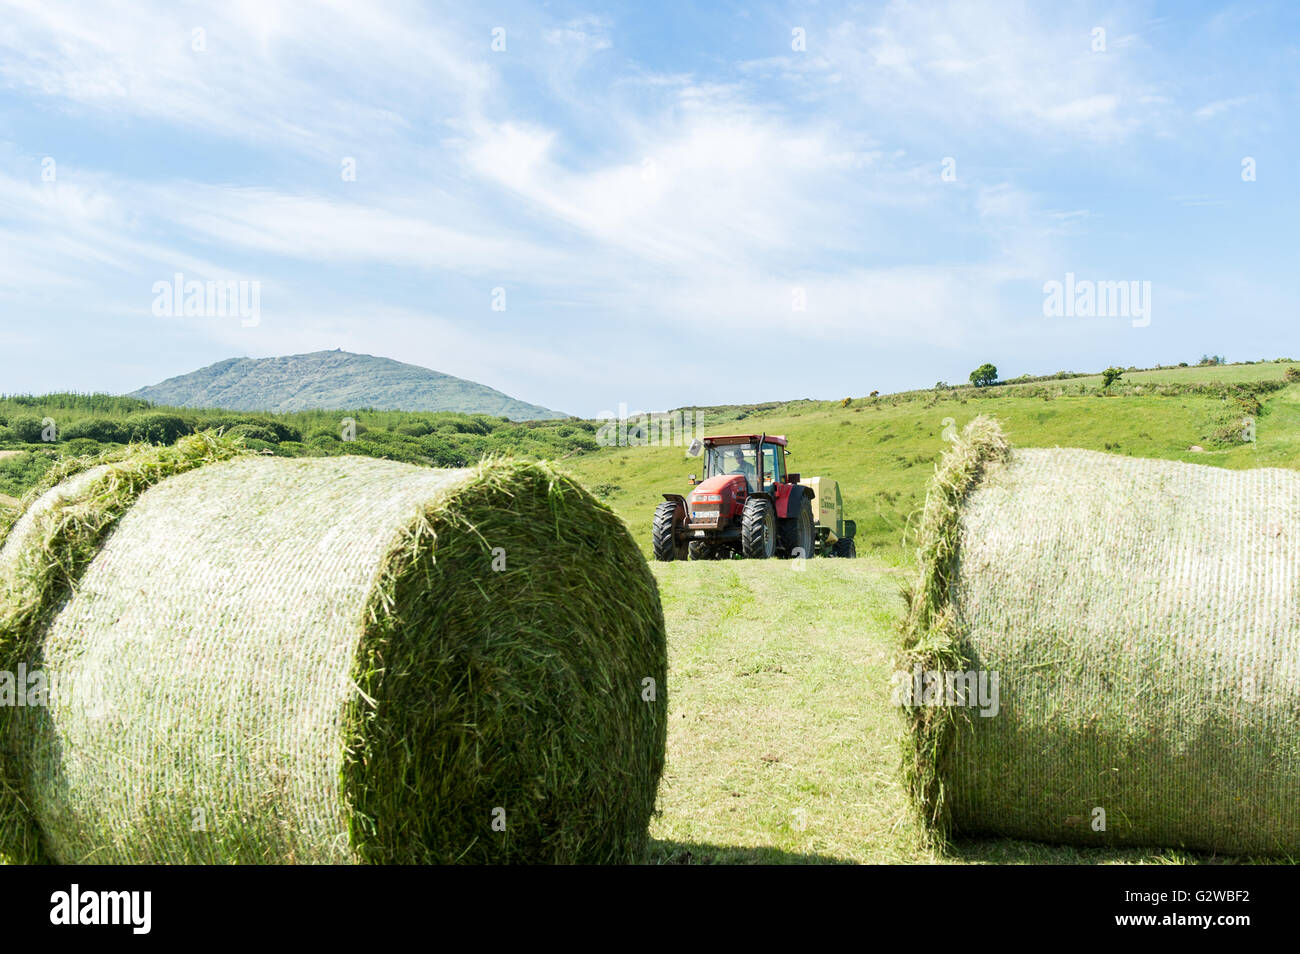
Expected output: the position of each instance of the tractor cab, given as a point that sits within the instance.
(757, 458)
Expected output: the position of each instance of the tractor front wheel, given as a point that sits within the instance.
(667, 533)
(758, 529)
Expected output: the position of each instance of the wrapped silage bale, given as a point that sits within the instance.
(264, 660)
(1127, 638)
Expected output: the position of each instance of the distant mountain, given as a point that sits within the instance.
(334, 381)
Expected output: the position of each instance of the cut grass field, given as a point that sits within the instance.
(783, 746)
(882, 451)
(782, 741)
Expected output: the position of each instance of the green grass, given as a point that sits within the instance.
(782, 743)
(87, 424)
(783, 746)
(882, 451)
(1210, 373)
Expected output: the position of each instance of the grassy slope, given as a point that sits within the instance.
(782, 741)
(882, 452)
(1223, 373)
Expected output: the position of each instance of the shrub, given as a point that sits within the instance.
(1248, 403)
(257, 444)
(158, 428)
(324, 435)
(27, 430)
(415, 429)
(472, 425)
(101, 429)
(281, 432)
(254, 432)
(80, 447)
(19, 473)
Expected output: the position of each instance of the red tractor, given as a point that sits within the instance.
(746, 503)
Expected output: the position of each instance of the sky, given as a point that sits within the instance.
(647, 205)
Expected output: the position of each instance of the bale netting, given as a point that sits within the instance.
(1105, 650)
(339, 660)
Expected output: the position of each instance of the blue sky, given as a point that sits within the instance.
(656, 188)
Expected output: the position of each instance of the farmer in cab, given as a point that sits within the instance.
(741, 466)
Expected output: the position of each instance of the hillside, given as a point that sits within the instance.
(334, 380)
(782, 740)
(882, 450)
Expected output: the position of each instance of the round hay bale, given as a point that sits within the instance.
(340, 660)
(25, 519)
(1142, 621)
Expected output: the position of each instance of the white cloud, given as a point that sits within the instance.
(585, 35)
(70, 236)
(617, 197)
(716, 186)
(961, 64)
(1210, 110)
(259, 75)
(318, 229)
(1084, 112)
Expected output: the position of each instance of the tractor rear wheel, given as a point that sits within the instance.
(758, 529)
(700, 550)
(797, 532)
(667, 531)
(844, 547)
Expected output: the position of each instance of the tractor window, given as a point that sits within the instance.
(773, 465)
(734, 459)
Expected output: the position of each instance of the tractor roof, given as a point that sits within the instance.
(746, 439)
